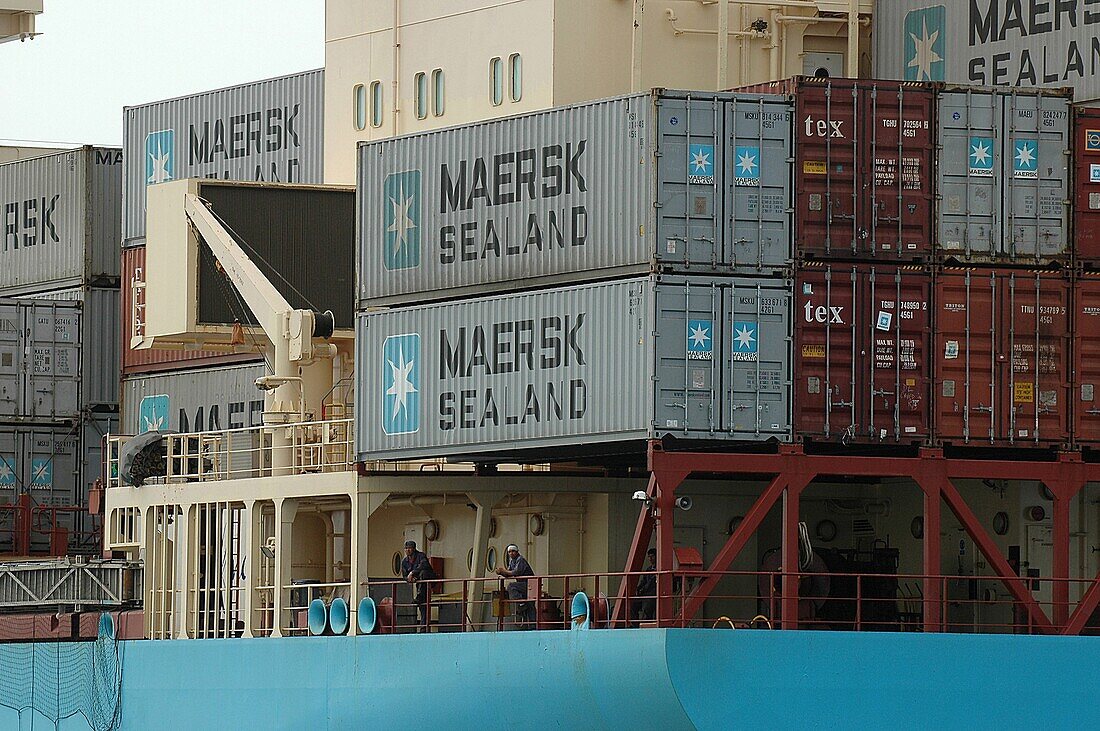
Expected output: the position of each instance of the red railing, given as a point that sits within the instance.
(852, 602)
(29, 529)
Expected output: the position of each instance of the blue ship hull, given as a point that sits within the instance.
(634, 679)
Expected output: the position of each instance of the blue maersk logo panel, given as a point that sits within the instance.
(401, 218)
(701, 164)
(42, 472)
(153, 413)
(7, 471)
(700, 339)
(924, 44)
(748, 166)
(160, 156)
(1025, 160)
(746, 340)
(401, 384)
(981, 157)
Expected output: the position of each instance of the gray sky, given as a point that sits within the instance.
(96, 56)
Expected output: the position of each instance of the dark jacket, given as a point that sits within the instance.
(418, 565)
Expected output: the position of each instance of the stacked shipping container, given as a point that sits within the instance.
(680, 200)
(58, 353)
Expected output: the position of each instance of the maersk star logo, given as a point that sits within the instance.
(401, 219)
(1026, 160)
(7, 471)
(747, 167)
(701, 164)
(160, 156)
(153, 413)
(401, 384)
(42, 472)
(981, 157)
(745, 340)
(700, 339)
(924, 44)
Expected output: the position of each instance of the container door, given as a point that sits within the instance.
(689, 176)
(1086, 232)
(52, 477)
(897, 329)
(11, 359)
(758, 184)
(969, 183)
(1035, 164)
(826, 141)
(686, 343)
(896, 170)
(757, 338)
(827, 356)
(1036, 329)
(967, 351)
(52, 345)
(1086, 355)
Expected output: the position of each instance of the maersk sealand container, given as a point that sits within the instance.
(270, 130)
(1013, 43)
(666, 181)
(580, 370)
(59, 219)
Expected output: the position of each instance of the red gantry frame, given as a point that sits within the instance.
(792, 470)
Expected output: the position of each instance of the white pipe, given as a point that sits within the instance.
(723, 43)
(853, 39)
(774, 46)
(636, 47)
(396, 65)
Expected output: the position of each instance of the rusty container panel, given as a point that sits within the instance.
(861, 353)
(133, 318)
(863, 170)
(1002, 358)
(1086, 360)
(1086, 146)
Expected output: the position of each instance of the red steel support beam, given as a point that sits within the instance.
(993, 554)
(790, 557)
(933, 586)
(669, 470)
(643, 532)
(1084, 610)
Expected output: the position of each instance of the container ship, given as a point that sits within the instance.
(554, 364)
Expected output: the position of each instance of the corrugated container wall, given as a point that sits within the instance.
(133, 324)
(861, 362)
(1086, 360)
(707, 359)
(269, 130)
(863, 167)
(1003, 176)
(224, 397)
(988, 42)
(99, 356)
(671, 181)
(1003, 360)
(1086, 148)
(60, 220)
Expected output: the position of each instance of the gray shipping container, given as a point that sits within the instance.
(1004, 175)
(683, 181)
(223, 397)
(60, 220)
(268, 130)
(557, 370)
(100, 357)
(989, 42)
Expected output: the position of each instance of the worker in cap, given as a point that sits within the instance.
(517, 591)
(417, 569)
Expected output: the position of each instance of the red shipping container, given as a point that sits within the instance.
(1002, 358)
(156, 359)
(863, 171)
(1086, 144)
(1086, 360)
(861, 353)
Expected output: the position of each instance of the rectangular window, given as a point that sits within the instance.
(359, 99)
(376, 104)
(438, 92)
(496, 81)
(516, 64)
(420, 84)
